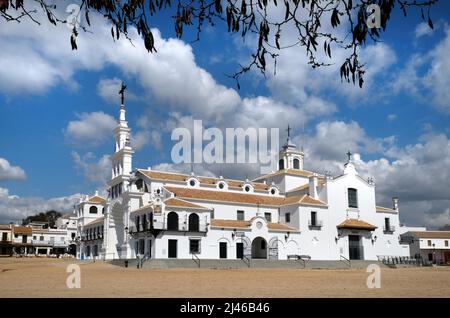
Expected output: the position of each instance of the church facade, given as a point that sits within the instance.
(288, 213)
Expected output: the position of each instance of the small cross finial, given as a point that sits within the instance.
(349, 155)
(122, 91)
(289, 131)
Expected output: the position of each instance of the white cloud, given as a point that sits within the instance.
(391, 117)
(437, 79)
(170, 79)
(423, 29)
(14, 208)
(432, 85)
(96, 171)
(108, 89)
(8, 172)
(91, 129)
(417, 173)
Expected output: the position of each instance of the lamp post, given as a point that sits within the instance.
(434, 253)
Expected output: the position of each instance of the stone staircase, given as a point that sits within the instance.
(237, 263)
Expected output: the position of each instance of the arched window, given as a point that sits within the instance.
(194, 224)
(172, 221)
(103, 210)
(296, 163)
(93, 210)
(139, 184)
(352, 198)
(281, 164)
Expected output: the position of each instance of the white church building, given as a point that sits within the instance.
(288, 213)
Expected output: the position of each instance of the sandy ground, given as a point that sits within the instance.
(47, 278)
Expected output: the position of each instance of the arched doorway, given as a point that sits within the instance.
(72, 249)
(259, 248)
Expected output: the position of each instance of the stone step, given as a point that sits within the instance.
(237, 263)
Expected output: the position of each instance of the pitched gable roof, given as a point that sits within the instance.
(96, 199)
(356, 224)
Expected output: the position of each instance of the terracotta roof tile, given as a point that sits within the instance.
(98, 221)
(303, 200)
(281, 227)
(303, 173)
(230, 223)
(356, 224)
(226, 196)
(300, 188)
(22, 230)
(247, 198)
(432, 234)
(237, 224)
(180, 177)
(183, 204)
(96, 199)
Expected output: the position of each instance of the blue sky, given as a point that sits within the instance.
(56, 107)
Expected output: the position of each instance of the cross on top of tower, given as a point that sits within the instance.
(349, 155)
(289, 131)
(122, 91)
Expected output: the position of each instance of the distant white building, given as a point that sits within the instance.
(289, 212)
(432, 246)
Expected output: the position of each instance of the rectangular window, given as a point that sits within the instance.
(268, 216)
(144, 222)
(240, 215)
(137, 222)
(429, 242)
(24, 238)
(41, 238)
(313, 218)
(352, 198)
(194, 246)
(16, 235)
(287, 217)
(446, 243)
(34, 237)
(4, 236)
(387, 224)
(141, 247)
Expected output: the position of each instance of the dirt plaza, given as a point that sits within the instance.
(43, 277)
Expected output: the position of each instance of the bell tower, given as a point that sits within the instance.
(289, 156)
(123, 155)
